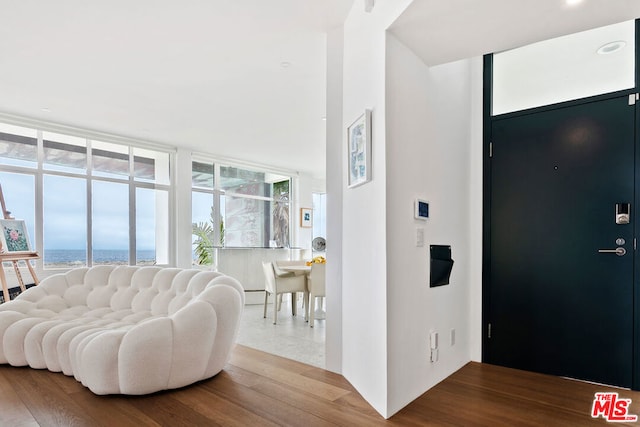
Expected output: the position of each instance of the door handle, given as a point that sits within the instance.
(617, 251)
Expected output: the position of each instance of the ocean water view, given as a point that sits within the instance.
(78, 257)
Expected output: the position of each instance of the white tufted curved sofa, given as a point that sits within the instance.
(125, 330)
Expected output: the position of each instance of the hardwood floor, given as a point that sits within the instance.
(259, 389)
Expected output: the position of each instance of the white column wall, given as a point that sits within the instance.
(364, 302)
(475, 210)
(304, 199)
(334, 188)
(428, 133)
(182, 176)
(364, 246)
(427, 142)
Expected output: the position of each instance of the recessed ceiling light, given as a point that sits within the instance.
(611, 47)
(285, 64)
(573, 2)
(45, 109)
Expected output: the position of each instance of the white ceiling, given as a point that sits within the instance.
(204, 74)
(208, 74)
(441, 31)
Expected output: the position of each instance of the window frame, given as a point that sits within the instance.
(39, 171)
(216, 192)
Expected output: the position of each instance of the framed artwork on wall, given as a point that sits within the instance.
(359, 150)
(14, 237)
(306, 217)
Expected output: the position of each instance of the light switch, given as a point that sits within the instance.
(419, 237)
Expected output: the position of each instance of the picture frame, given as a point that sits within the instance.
(359, 150)
(306, 217)
(14, 236)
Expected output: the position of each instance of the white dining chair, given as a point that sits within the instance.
(283, 268)
(278, 284)
(316, 284)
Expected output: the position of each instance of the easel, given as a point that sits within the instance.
(14, 258)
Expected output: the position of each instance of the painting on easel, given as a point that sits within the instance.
(16, 246)
(14, 237)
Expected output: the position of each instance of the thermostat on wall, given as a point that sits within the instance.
(421, 209)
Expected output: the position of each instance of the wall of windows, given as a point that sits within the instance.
(87, 201)
(237, 207)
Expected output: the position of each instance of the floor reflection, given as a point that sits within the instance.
(291, 337)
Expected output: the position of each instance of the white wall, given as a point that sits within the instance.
(304, 199)
(182, 208)
(334, 188)
(364, 253)
(475, 210)
(364, 302)
(428, 133)
(424, 121)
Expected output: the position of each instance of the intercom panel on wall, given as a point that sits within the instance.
(420, 209)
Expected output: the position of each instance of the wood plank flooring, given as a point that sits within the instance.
(259, 389)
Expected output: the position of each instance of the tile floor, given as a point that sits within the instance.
(291, 337)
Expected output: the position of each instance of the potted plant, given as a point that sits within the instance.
(205, 238)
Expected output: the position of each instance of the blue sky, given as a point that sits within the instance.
(65, 207)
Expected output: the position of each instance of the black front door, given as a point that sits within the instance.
(557, 303)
